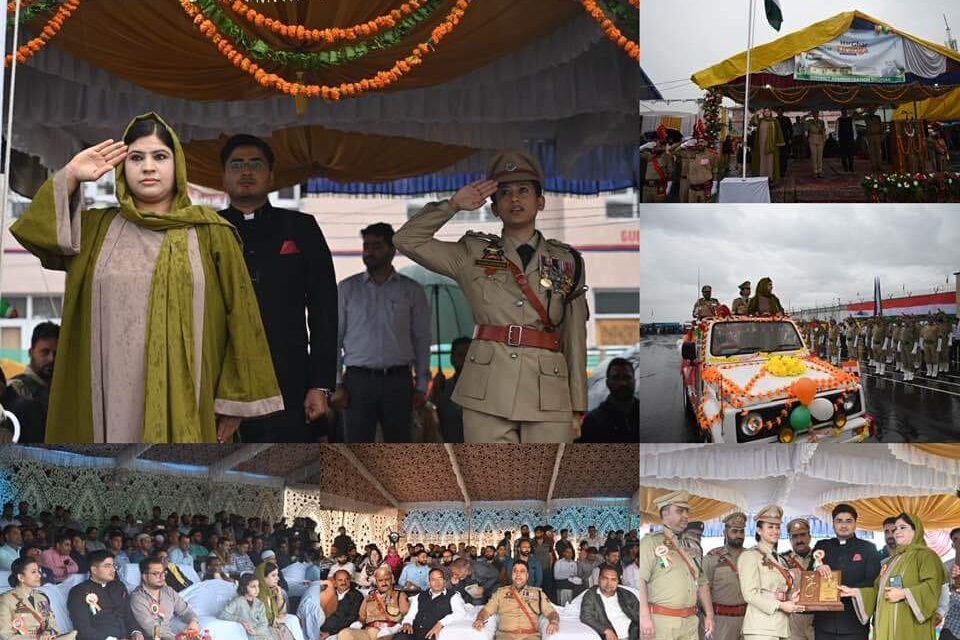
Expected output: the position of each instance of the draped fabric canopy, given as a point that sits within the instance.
(931, 70)
(701, 508)
(532, 73)
(808, 479)
(940, 109)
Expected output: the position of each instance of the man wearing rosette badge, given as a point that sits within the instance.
(100, 607)
(800, 558)
(155, 605)
(859, 564)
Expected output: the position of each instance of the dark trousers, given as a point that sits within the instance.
(847, 162)
(287, 426)
(946, 634)
(826, 635)
(377, 397)
(784, 156)
(416, 635)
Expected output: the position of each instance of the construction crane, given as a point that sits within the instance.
(951, 41)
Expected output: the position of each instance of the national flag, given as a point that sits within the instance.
(774, 16)
(7, 310)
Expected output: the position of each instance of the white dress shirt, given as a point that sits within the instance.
(616, 616)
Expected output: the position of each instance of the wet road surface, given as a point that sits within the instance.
(921, 410)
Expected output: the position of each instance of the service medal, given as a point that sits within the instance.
(818, 556)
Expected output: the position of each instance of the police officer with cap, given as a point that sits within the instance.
(739, 305)
(706, 307)
(800, 558)
(671, 579)
(720, 568)
(525, 375)
(768, 585)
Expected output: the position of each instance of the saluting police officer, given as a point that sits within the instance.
(720, 569)
(525, 375)
(671, 580)
(740, 304)
(800, 558)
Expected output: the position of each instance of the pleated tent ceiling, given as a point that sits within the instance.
(931, 70)
(943, 108)
(509, 73)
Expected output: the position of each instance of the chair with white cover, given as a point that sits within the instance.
(570, 626)
(296, 577)
(463, 629)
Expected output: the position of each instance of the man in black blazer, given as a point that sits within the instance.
(292, 273)
(594, 613)
(100, 607)
(859, 564)
(348, 600)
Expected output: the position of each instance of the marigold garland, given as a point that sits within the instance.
(611, 30)
(381, 80)
(329, 35)
(260, 50)
(785, 366)
(52, 28)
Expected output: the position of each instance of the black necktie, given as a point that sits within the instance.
(526, 254)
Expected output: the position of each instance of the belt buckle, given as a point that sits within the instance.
(510, 333)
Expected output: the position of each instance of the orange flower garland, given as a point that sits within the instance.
(26, 51)
(12, 6)
(326, 36)
(346, 89)
(609, 28)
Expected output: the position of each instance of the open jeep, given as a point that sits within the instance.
(741, 376)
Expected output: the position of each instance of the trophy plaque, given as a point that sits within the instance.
(818, 593)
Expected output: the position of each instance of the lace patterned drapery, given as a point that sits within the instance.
(96, 493)
(365, 523)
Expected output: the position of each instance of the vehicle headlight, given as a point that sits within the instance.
(849, 403)
(787, 435)
(751, 425)
(839, 420)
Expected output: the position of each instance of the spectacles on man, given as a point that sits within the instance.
(155, 574)
(238, 166)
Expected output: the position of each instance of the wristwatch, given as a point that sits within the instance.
(326, 392)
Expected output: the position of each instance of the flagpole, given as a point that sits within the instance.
(746, 95)
(8, 130)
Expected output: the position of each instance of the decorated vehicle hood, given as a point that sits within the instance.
(747, 383)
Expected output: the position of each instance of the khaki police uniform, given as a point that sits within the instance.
(908, 343)
(880, 343)
(740, 304)
(656, 174)
(705, 308)
(720, 569)
(833, 343)
(519, 612)
(19, 619)
(801, 624)
(765, 580)
(850, 335)
(702, 169)
(672, 578)
(817, 137)
(377, 613)
(874, 134)
(523, 378)
(929, 335)
(946, 342)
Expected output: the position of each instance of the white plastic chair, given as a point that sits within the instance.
(15, 422)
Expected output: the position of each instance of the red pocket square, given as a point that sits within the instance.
(289, 247)
(857, 557)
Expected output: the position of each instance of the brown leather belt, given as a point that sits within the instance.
(703, 186)
(673, 613)
(516, 335)
(735, 610)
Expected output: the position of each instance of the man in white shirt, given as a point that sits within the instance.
(431, 610)
(566, 580)
(181, 553)
(631, 574)
(10, 551)
(593, 539)
(342, 564)
(609, 609)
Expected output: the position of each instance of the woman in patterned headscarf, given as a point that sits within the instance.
(903, 599)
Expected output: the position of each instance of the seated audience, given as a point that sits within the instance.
(609, 609)
(341, 602)
(155, 605)
(100, 606)
(249, 611)
(25, 612)
(432, 610)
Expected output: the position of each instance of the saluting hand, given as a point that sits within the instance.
(472, 196)
(91, 164)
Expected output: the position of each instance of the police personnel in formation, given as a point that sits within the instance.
(525, 375)
(946, 344)
(519, 607)
(720, 569)
(706, 306)
(879, 343)
(908, 348)
(929, 335)
(671, 581)
(800, 558)
(767, 583)
(833, 342)
(739, 305)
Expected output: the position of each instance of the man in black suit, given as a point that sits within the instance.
(100, 607)
(624, 625)
(292, 273)
(348, 600)
(859, 564)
